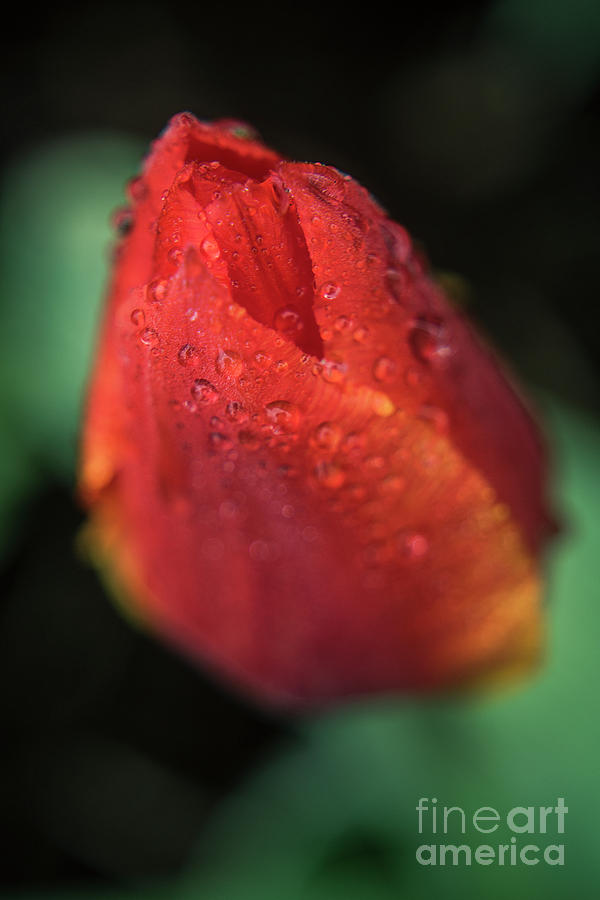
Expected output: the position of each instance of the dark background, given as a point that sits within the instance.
(477, 126)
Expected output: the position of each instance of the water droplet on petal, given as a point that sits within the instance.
(188, 355)
(436, 416)
(235, 412)
(428, 340)
(329, 290)
(262, 359)
(228, 509)
(374, 463)
(413, 545)
(288, 321)
(259, 551)
(175, 255)
(329, 474)
(228, 362)
(149, 337)
(332, 371)
(243, 131)
(138, 316)
(219, 441)
(283, 416)
(326, 436)
(342, 324)
(310, 534)
(354, 443)
(204, 392)
(384, 369)
(399, 283)
(281, 195)
(211, 248)
(157, 290)
(392, 484)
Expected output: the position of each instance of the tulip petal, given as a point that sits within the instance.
(406, 337)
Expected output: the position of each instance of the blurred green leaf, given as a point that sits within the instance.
(54, 239)
(563, 35)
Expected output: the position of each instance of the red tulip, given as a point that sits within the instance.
(301, 465)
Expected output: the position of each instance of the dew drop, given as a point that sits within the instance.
(228, 510)
(228, 362)
(288, 321)
(138, 316)
(259, 551)
(327, 436)
(211, 248)
(360, 334)
(329, 474)
(354, 443)
(342, 324)
(149, 337)
(219, 441)
(281, 195)
(188, 355)
(428, 340)
(413, 545)
(392, 484)
(283, 416)
(374, 463)
(204, 392)
(243, 131)
(262, 359)
(332, 371)
(436, 416)
(309, 534)
(175, 255)
(384, 369)
(157, 290)
(235, 412)
(329, 290)
(398, 283)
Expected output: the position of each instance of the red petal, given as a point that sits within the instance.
(404, 337)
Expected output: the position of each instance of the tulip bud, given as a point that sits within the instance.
(302, 467)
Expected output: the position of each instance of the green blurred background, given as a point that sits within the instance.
(124, 772)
